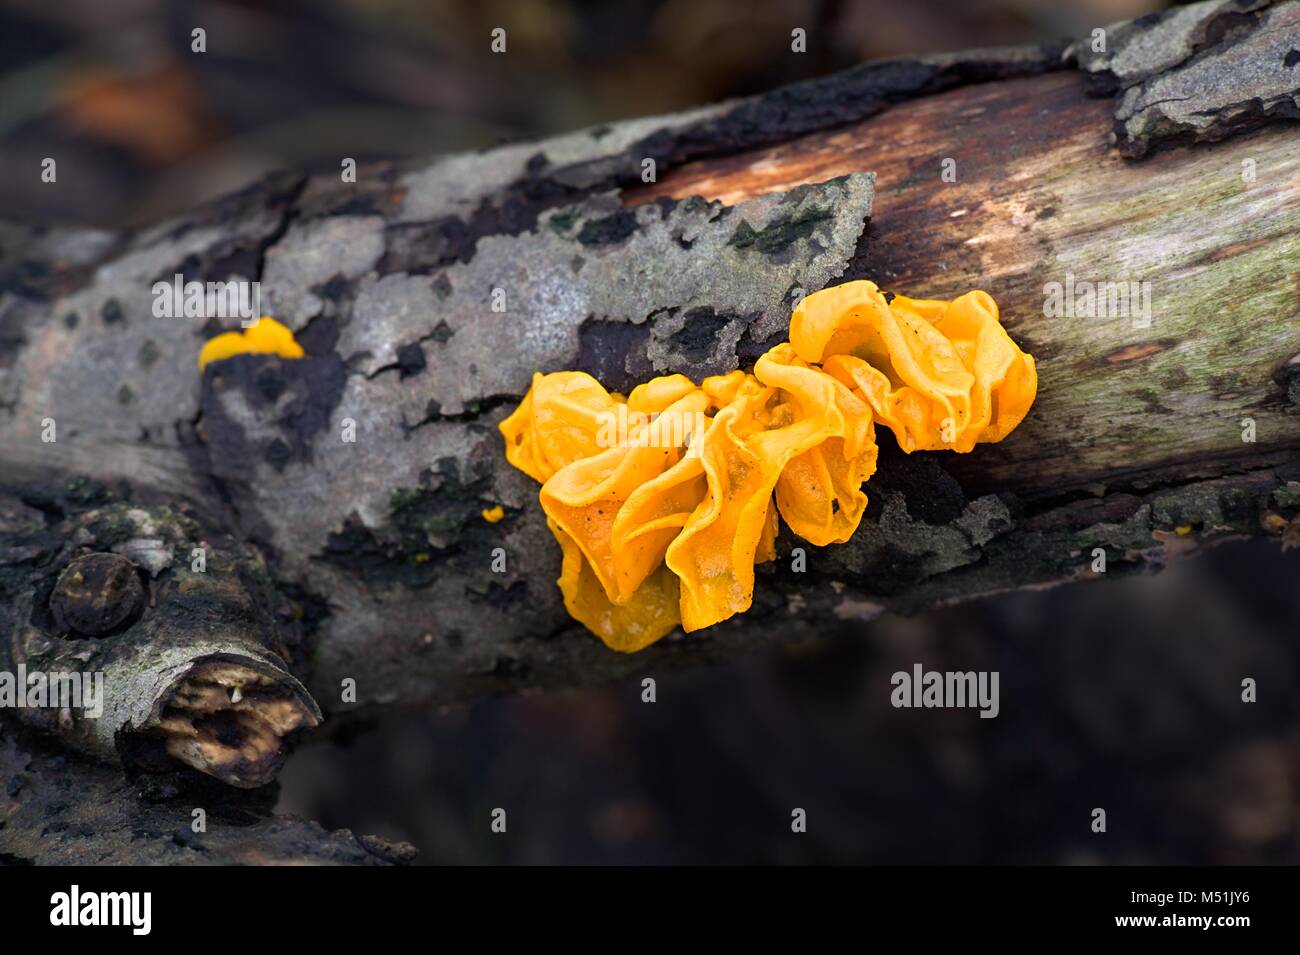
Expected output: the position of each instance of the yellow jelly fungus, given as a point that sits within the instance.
(662, 519)
(267, 337)
(493, 514)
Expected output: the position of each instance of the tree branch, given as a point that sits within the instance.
(1155, 432)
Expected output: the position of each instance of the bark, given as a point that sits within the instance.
(368, 560)
(61, 810)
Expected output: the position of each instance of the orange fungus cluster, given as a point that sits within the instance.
(663, 501)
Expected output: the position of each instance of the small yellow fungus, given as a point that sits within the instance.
(494, 513)
(1182, 530)
(267, 337)
(663, 527)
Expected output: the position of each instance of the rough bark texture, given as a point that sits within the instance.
(57, 809)
(377, 547)
(1198, 73)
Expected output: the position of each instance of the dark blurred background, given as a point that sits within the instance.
(1123, 695)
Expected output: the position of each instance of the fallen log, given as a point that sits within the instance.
(1159, 295)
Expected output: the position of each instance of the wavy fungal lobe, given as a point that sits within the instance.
(662, 502)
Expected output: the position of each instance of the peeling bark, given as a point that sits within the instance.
(1198, 73)
(369, 560)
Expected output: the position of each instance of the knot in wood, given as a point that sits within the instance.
(97, 594)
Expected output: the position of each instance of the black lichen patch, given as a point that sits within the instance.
(562, 222)
(419, 248)
(835, 100)
(608, 230)
(537, 164)
(503, 598)
(785, 229)
(335, 290)
(441, 333)
(604, 351)
(889, 570)
(29, 564)
(411, 360)
(1225, 28)
(749, 349)
(277, 454)
(239, 256)
(428, 528)
(268, 203)
(39, 281)
(56, 500)
(309, 609)
(111, 313)
(148, 353)
(697, 340)
(12, 338)
(932, 495)
(304, 393)
(275, 194)
(376, 192)
(319, 336)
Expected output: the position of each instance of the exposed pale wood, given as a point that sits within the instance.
(1041, 193)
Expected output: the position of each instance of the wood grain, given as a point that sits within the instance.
(1041, 193)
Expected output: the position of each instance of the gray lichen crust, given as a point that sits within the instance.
(1200, 72)
(691, 287)
(597, 264)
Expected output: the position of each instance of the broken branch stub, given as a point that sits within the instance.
(137, 641)
(366, 466)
